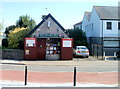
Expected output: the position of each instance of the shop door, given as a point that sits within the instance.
(41, 48)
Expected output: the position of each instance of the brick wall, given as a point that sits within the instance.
(13, 54)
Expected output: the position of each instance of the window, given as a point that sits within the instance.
(92, 26)
(48, 24)
(111, 43)
(118, 25)
(109, 25)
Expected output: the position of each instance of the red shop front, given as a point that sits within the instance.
(48, 48)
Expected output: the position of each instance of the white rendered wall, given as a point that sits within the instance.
(95, 20)
(110, 32)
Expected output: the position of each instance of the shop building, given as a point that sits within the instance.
(48, 41)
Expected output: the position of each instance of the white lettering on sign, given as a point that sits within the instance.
(67, 43)
(30, 42)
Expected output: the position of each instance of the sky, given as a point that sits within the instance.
(66, 12)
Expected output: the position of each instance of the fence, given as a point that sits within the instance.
(100, 52)
(97, 50)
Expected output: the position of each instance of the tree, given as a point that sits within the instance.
(78, 36)
(9, 29)
(25, 21)
(15, 33)
(17, 36)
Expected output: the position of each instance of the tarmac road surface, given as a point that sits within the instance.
(37, 68)
(61, 66)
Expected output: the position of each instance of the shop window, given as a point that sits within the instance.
(53, 47)
(109, 25)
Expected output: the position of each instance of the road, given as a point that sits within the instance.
(38, 68)
(88, 71)
(90, 64)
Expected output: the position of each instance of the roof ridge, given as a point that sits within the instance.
(104, 6)
(88, 12)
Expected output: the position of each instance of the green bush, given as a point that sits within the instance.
(78, 36)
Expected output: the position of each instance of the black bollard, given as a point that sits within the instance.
(74, 76)
(25, 75)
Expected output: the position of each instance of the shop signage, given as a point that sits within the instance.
(67, 42)
(49, 35)
(30, 42)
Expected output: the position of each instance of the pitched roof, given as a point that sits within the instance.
(88, 14)
(107, 12)
(49, 15)
(78, 23)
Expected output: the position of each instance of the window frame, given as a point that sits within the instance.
(109, 25)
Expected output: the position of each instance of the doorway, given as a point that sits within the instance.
(41, 48)
(53, 46)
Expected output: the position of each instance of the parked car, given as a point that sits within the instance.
(81, 51)
(118, 54)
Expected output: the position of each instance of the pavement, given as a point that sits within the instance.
(107, 78)
(17, 84)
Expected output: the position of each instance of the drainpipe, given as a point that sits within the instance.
(102, 40)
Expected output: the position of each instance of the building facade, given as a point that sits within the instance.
(48, 41)
(102, 30)
(78, 25)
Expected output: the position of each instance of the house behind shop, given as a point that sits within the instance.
(78, 25)
(102, 27)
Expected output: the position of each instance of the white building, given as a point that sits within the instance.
(85, 23)
(78, 25)
(102, 27)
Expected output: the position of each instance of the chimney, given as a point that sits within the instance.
(43, 16)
